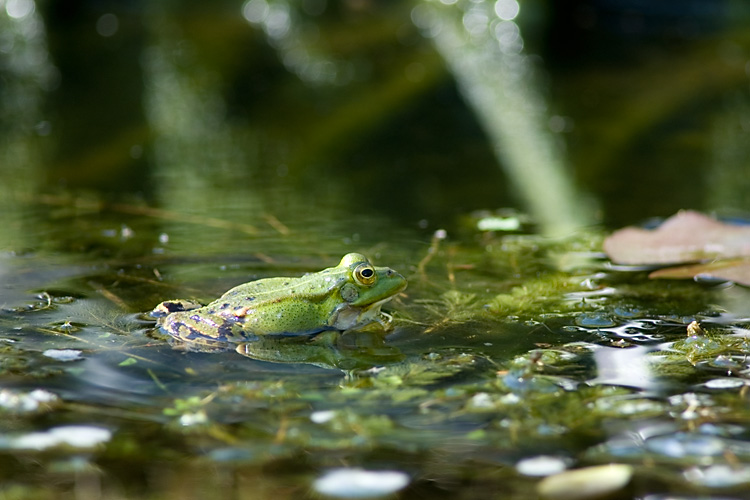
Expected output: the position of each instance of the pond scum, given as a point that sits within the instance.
(513, 358)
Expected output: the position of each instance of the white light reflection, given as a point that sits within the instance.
(476, 21)
(507, 10)
(255, 11)
(278, 22)
(282, 22)
(18, 9)
(625, 367)
(508, 35)
(359, 483)
(76, 436)
(424, 18)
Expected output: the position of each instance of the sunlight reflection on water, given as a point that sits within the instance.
(625, 367)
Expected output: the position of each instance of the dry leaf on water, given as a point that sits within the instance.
(687, 237)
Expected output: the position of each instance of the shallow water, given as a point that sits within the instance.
(484, 370)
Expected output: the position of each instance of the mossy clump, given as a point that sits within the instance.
(539, 297)
(704, 351)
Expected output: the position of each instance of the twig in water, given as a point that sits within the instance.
(439, 236)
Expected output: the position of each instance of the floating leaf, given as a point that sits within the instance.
(737, 270)
(687, 236)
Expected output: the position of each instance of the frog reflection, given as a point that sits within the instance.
(331, 349)
(259, 314)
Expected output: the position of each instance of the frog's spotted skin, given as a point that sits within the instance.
(339, 298)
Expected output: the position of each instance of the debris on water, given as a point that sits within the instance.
(321, 417)
(63, 354)
(542, 465)
(586, 483)
(27, 402)
(694, 329)
(687, 445)
(75, 436)
(231, 454)
(481, 400)
(191, 419)
(510, 399)
(719, 475)
(497, 223)
(360, 483)
(725, 383)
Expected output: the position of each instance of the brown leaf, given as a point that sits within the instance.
(687, 236)
(737, 270)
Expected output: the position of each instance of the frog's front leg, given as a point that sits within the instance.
(385, 320)
(382, 322)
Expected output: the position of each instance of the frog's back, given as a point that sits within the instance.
(313, 287)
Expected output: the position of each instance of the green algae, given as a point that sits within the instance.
(714, 350)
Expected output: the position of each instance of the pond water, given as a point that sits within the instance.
(482, 149)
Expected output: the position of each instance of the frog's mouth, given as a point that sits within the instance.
(375, 306)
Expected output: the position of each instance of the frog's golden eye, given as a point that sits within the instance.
(365, 274)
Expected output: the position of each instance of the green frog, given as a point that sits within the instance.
(348, 296)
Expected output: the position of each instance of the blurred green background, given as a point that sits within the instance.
(361, 107)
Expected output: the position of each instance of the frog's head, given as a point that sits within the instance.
(367, 285)
(362, 289)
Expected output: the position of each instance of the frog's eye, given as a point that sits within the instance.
(365, 274)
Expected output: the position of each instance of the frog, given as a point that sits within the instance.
(346, 297)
